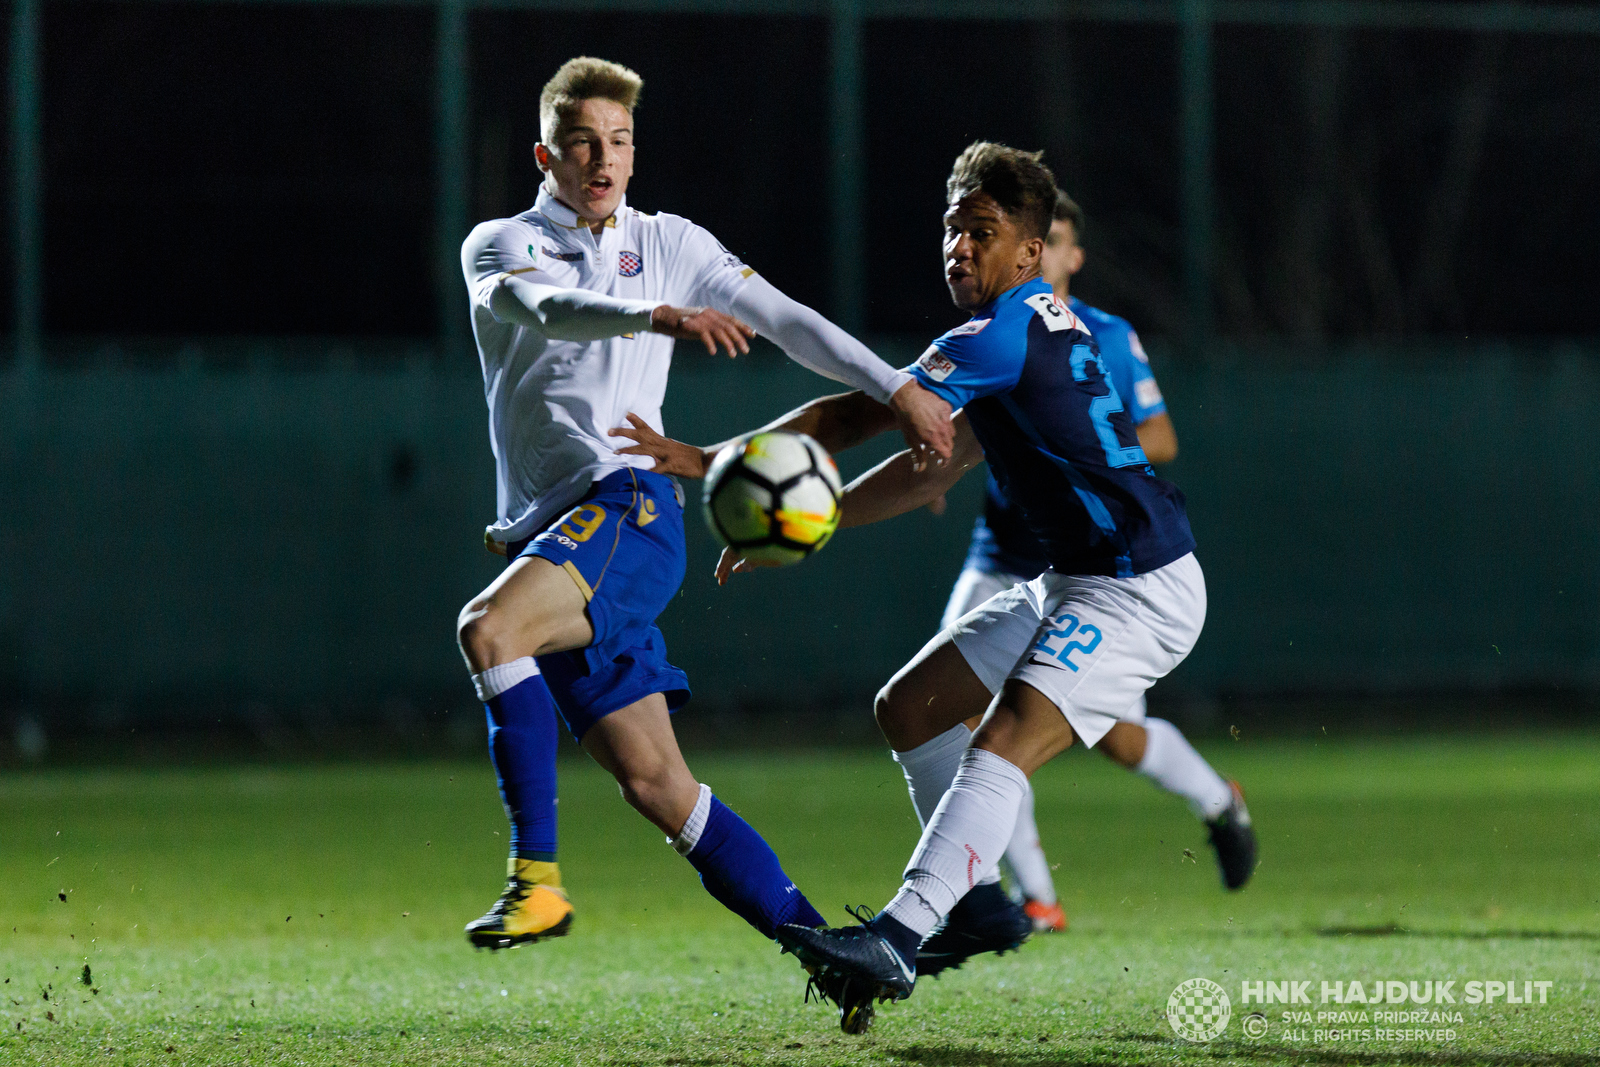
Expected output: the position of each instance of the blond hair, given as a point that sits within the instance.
(580, 79)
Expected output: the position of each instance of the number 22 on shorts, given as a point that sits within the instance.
(1066, 627)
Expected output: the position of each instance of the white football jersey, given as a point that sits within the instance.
(552, 403)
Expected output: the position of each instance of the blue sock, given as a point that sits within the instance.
(522, 744)
(905, 940)
(740, 869)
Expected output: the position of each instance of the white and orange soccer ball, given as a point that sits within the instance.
(774, 497)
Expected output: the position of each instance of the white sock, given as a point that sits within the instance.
(496, 680)
(1173, 764)
(930, 768)
(963, 842)
(1026, 856)
(695, 825)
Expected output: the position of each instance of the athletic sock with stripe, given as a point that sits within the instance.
(963, 842)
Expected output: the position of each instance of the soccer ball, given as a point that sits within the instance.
(773, 497)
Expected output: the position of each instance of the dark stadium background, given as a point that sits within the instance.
(244, 472)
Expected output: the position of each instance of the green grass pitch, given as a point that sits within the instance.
(313, 915)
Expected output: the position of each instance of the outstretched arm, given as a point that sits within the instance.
(529, 298)
(895, 486)
(505, 277)
(815, 343)
(835, 422)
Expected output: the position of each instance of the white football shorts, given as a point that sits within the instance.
(973, 588)
(1089, 643)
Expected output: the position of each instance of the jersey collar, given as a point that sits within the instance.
(568, 219)
(1010, 294)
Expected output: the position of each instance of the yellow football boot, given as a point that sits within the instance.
(533, 907)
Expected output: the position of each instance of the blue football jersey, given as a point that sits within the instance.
(1001, 540)
(1057, 435)
(1125, 360)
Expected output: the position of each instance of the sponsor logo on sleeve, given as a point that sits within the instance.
(1056, 315)
(936, 365)
(1147, 392)
(630, 264)
(1136, 348)
(967, 329)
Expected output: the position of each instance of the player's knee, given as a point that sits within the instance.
(903, 717)
(479, 633)
(889, 714)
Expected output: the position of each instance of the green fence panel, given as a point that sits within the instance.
(1370, 521)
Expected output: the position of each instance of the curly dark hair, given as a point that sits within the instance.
(1021, 184)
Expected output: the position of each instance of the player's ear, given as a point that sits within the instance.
(1031, 250)
(541, 156)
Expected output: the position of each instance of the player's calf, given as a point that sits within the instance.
(522, 744)
(736, 865)
(655, 783)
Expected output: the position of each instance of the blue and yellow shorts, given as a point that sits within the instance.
(623, 546)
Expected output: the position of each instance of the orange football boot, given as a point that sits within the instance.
(533, 907)
(1047, 918)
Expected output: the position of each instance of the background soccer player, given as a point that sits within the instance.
(1004, 552)
(574, 306)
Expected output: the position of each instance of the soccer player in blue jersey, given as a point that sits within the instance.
(1057, 659)
(575, 304)
(1004, 553)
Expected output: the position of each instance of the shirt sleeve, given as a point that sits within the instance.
(722, 281)
(717, 275)
(504, 271)
(814, 342)
(494, 249)
(969, 362)
(1143, 396)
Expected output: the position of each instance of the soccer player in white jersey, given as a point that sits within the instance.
(575, 304)
(1005, 553)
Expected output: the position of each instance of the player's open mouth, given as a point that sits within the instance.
(598, 187)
